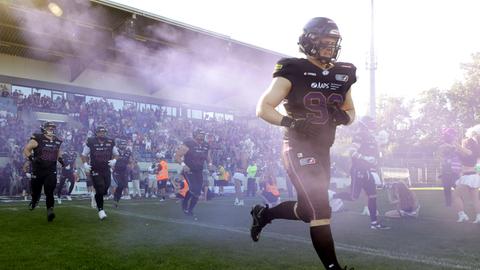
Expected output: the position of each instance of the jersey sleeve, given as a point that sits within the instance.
(351, 71)
(284, 68)
(189, 142)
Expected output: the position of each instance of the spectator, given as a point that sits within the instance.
(405, 201)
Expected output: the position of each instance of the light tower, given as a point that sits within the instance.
(372, 65)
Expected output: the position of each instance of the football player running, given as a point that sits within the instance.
(317, 97)
(365, 155)
(102, 153)
(43, 152)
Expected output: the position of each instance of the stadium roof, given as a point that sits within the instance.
(104, 35)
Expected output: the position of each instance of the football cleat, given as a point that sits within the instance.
(32, 205)
(462, 217)
(50, 214)
(378, 226)
(258, 221)
(69, 198)
(59, 201)
(102, 215)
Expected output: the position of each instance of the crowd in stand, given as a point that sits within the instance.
(150, 133)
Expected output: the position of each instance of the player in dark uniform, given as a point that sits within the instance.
(194, 152)
(103, 154)
(317, 98)
(68, 173)
(365, 155)
(46, 152)
(120, 173)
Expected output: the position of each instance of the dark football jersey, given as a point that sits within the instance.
(196, 155)
(46, 153)
(313, 90)
(100, 152)
(69, 158)
(122, 160)
(368, 147)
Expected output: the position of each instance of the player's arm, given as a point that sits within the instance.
(180, 153)
(209, 159)
(84, 158)
(348, 106)
(27, 150)
(271, 98)
(115, 153)
(60, 158)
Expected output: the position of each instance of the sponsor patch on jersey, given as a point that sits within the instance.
(278, 67)
(320, 85)
(310, 74)
(307, 161)
(341, 77)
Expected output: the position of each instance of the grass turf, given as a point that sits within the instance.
(147, 234)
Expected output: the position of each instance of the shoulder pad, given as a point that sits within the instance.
(90, 140)
(36, 136)
(284, 63)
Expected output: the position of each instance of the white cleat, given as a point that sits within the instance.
(102, 215)
(59, 201)
(477, 220)
(93, 203)
(462, 218)
(69, 198)
(365, 212)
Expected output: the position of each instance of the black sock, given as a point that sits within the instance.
(284, 210)
(99, 200)
(185, 201)
(372, 207)
(324, 246)
(193, 202)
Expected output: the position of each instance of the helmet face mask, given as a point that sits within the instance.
(321, 40)
(48, 128)
(199, 135)
(101, 132)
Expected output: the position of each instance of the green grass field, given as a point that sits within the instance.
(147, 234)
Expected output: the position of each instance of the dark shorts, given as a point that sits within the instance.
(362, 179)
(308, 166)
(162, 184)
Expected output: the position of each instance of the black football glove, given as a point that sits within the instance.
(338, 116)
(304, 126)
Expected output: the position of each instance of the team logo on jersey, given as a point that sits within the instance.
(307, 161)
(310, 74)
(341, 77)
(320, 85)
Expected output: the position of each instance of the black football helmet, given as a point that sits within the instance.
(198, 134)
(314, 31)
(101, 131)
(122, 144)
(45, 126)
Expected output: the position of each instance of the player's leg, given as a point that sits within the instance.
(36, 187)
(71, 179)
(118, 191)
(195, 189)
(50, 181)
(63, 178)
